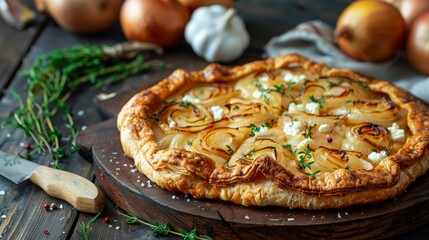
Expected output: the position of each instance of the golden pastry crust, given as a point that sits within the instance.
(295, 170)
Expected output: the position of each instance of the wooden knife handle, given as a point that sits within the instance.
(76, 190)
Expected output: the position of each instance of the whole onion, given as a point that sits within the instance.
(370, 30)
(81, 16)
(410, 9)
(418, 44)
(194, 4)
(160, 22)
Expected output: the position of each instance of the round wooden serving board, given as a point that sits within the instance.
(133, 192)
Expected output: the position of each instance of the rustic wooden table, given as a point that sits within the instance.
(21, 206)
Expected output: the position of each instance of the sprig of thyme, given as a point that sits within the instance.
(164, 229)
(52, 79)
(84, 227)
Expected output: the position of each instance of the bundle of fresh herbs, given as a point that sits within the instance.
(55, 76)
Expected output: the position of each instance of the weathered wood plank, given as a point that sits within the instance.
(14, 45)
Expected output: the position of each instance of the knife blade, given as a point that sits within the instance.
(76, 190)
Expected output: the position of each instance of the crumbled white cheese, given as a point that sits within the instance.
(172, 124)
(264, 78)
(377, 157)
(257, 94)
(190, 99)
(303, 144)
(290, 77)
(324, 128)
(218, 112)
(262, 131)
(396, 132)
(296, 108)
(293, 128)
(312, 108)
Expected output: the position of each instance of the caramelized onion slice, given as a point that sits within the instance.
(222, 142)
(329, 160)
(242, 114)
(184, 116)
(366, 137)
(213, 95)
(381, 111)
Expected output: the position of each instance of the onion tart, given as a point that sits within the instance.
(283, 131)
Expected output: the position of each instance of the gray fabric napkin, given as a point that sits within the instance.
(316, 41)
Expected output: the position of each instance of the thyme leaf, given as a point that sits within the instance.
(84, 227)
(164, 229)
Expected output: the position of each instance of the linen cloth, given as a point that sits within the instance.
(316, 40)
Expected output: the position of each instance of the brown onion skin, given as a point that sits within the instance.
(418, 44)
(410, 9)
(160, 22)
(87, 16)
(194, 4)
(370, 30)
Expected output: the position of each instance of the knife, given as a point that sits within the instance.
(76, 190)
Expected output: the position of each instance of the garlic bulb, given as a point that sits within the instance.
(217, 34)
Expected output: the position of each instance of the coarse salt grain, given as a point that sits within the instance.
(290, 219)
(142, 184)
(339, 215)
(3, 216)
(2, 192)
(246, 217)
(8, 135)
(80, 113)
(61, 206)
(84, 127)
(117, 227)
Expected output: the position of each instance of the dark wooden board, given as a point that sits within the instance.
(123, 185)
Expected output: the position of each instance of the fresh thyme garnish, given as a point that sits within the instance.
(320, 101)
(309, 134)
(330, 84)
(347, 167)
(312, 174)
(289, 148)
(84, 227)
(228, 166)
(51, 81)
(185, 104)
(169, 102)
(236, 107)
(387, 150)
(363, 84)
(302, 155)
(189, 143)
(164, 229)
(255, 129)
(229, 150)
